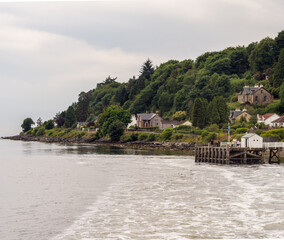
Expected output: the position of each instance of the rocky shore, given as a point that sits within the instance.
(174, 146)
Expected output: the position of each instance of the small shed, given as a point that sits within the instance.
(251, 140)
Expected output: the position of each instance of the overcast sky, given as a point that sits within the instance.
(51, 51)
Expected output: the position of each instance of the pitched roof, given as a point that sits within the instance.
(146, 116)
(265, 116)
(279, 120)
(249, 90)
(235, 113)
(249, 135)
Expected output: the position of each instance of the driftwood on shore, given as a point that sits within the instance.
(137, 144)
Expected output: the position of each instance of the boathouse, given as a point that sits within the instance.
(251, 140)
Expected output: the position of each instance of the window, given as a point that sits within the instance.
(260, 91)
(255, 99)
(264, 98)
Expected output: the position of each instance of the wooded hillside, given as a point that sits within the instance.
(174, 85)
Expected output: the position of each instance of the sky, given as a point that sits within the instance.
(51, 51)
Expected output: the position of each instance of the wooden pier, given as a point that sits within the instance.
(229, 155)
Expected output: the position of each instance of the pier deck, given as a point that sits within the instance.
(229, 155)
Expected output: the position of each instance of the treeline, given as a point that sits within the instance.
(205, 84)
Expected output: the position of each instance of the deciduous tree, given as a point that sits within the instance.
(27, 124)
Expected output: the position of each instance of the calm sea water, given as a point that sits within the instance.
(52, 191)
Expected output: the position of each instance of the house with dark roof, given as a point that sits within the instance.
(267, 118)
(149, 120)
(279, 122)
(255, 95)
(236, 115)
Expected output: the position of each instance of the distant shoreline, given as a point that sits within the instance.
(169, 146)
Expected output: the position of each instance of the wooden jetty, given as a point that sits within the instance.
(229, 155)
(274, 155)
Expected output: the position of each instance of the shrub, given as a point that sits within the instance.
(213, 128)
(204, 133)
(178, 136)
(197, 131)
(211, 136)
(133, 137)
(232, 131)
(167, 134)
(152, 137)
(29, 132)
(183, 127)
(142, 136)
(98, 134)
(274, 133)
(242, 130)
(40, 131)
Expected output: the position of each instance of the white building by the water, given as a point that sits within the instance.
(251, 140)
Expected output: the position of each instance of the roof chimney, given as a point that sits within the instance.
(244, 110)
(238, 109)
(256, 85)
(260, 85)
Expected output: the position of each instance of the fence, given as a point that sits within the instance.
(265, 144)
(273, 144)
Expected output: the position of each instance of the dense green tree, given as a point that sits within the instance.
(49, 125)
(59, 118)
(165, 102)
(110, 115)
(27, 124)
(278, 75)
(223, 86)
(200, 61)
(121, 95)
(83, 106)
(70, 118)
(263, 56)
(179, 115)
(116, 130)
(280, 40)
(239, 61)
(107, 81)
(180, 100)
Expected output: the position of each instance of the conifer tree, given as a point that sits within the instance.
(198, 113)
(215, 117)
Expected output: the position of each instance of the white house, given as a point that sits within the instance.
(133, 121)
(251, 140)
(267, 118)
(279, 122)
